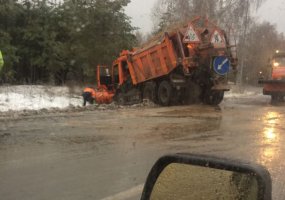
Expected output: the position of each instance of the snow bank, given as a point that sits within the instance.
(17, 98)
(246, 92)
(23, 97)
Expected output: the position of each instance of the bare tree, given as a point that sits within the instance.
(231, 14)
(168, 12)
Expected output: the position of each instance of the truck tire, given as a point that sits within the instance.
(165, 92)
(214, 97)
(149, 91)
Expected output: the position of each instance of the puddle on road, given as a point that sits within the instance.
(201, 128)
(30, 138)
(81, 139)
(195, 111)
(271, 137)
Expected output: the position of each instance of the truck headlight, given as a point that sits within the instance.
(276, 64)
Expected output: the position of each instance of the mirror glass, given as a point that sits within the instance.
(186, 182)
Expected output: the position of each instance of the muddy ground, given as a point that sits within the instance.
(107, 152)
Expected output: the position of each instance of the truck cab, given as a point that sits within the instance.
(115, 82)
(105, 91)
(120, 70)
(125, 92)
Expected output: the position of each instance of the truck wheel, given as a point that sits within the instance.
(149, 91)
(165, 91)
(214, 97)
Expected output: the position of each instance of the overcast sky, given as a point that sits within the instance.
(140, 12)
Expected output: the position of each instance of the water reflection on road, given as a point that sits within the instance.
(270, 139)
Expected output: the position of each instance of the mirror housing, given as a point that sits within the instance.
(262, 176)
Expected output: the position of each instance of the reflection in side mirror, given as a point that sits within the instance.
(184, 182)
(187, 177)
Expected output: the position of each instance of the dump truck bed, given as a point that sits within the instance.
(156, 59)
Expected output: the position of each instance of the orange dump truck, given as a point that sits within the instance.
(185, 65)
(274, 85)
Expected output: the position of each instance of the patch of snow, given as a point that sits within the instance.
(17, 98)
(26, 97)
(247, 92)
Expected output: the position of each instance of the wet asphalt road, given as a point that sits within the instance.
(107, 154)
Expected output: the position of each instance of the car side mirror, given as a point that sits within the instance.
(187, 176)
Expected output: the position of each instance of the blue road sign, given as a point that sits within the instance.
(221, 65)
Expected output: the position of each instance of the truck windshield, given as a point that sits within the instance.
(105, 76)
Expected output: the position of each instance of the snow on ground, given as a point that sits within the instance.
(244, 92)
(24, 97)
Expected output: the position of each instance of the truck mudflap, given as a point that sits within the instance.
(213, 97)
